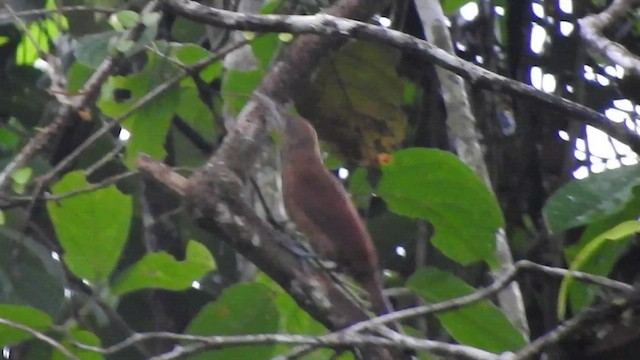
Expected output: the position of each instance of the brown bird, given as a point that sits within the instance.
(321, 209)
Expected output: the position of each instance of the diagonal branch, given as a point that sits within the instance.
(591, 28)
(40, 336)
(336, 27)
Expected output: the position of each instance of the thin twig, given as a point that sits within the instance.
(40, 336)
(13, 201)
(607, 313)
(213, 342)
(347, 336)
(63, 9)
(89, 92)
(479, 295)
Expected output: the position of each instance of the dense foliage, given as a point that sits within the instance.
(95, 251)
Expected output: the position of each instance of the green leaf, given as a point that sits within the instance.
(92, 227)
(125, 45)
(22, 175)
(195, 113)
(480, 325)
(8, 141)
(151, 19)
(43, 31)
(583, 201)
(77, 75)
(187, 31)
(269, 6)
(20, 178)
(435, 186)
(124, 19)
(28, 273)
(93, 49)
(190, 54)
(602, 261)
(264, 48)
(241, 310)
(451, 6)
(619, 232)
(358, 101)
(359, 188)
(162, 271)
(149, 125)
(23, 315)
(293, 319)
(237, 87)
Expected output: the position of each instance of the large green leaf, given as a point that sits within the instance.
(92, 49)
(293, 319)
(264, 47)
(195, 113)
(359, 188)
(92, 227)
(480, 325)
(602, 261)
(242, 309)
(583, 201)
(162, 271)
(29, 274)
(356, 101)
(190, 54)
(24, 315)
(435, 186)
(148, 125)
(619, 232)
(237, 87)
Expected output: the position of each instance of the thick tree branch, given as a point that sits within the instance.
(213, 194)
(465, 137)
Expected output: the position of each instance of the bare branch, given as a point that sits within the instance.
(349, 336)
(13, 201)
(40, 336)
(498, 285)
(591, 28)
(602, 314)
(204, 343)
(479, 295)
(336, 27)
(63, 9)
